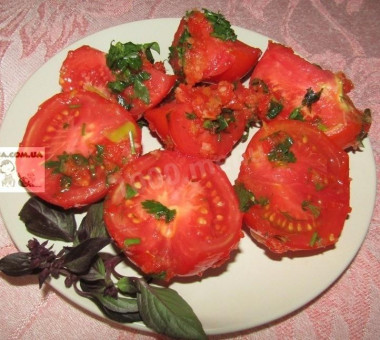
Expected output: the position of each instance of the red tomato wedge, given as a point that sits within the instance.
(87, 139)
(86, 68)
(304, 91)
(173, 215)
(294, 186)
(205, 48)
(203, 121)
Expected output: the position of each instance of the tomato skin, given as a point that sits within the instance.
(86, 68)
(206, 226)
(86, 125)
(288, 77)
(198, 56)
(305, 203)
(184, 124)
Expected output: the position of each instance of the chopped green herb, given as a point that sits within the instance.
(65, 182)
(191, 116)
(132, 143)
(281, 152)
(83, 131)
(311, 97)
(79, 159)
(125, 60)
(296, 114)
(74, 106)
(99, 153)
(130, 192)
(132, 241)
(158, 210)
(221, 122)
(307, 205)
(260, 83)
(314, 239)
(274, 109)
(221, 27)
(247, 198)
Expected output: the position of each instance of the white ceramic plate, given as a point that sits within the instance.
(253, 288)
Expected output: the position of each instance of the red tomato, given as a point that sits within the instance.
(173, 215)
(203, 121)
(294, 181)
(304, 91)
(203, 51)
(87, 139)
(86, 68)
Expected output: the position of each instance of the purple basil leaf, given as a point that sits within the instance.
(16, 264)
(48, 221)
(79, 259)
(92, 224)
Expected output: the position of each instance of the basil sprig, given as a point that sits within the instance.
(93, 273)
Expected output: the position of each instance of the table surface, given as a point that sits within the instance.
(336, 34)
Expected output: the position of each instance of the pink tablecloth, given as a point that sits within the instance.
(337, 34)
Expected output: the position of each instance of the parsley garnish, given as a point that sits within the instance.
(296, 114)
(247, 198)
(125, 60)
(281, 152)
(221, 27)
(221, 122)
(130, 192)
(274, 109)
(158, 210)
(311, 97)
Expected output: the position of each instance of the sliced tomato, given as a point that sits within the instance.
(86, 68)
(203, 121)
(203, 50)
(305, 91)
(173, 215)
(87, 139)
(294, 185)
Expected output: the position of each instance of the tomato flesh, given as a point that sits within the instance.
(207, 222)
(86, 68)
(86, 139)
(300, 183)
(203, 121)
(197, 55)
(293, 82)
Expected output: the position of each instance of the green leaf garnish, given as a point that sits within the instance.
(246, 198)
(296, 114)
(315, 210)
(221, 27)
(281, 152)
(274, 109)
(130, 192)
(311, 97)
(125, 60)
(162, 309)
(158, 210)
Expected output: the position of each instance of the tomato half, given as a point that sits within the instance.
(86, 68)
(305, 91)
(87, 139)
(203, 121)
(173, 215)
(294, 182)
(205, 48)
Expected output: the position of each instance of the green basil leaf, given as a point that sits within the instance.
(79, 259)
(221, 27)
(163, 310)
(141, 91)
(48, 221)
